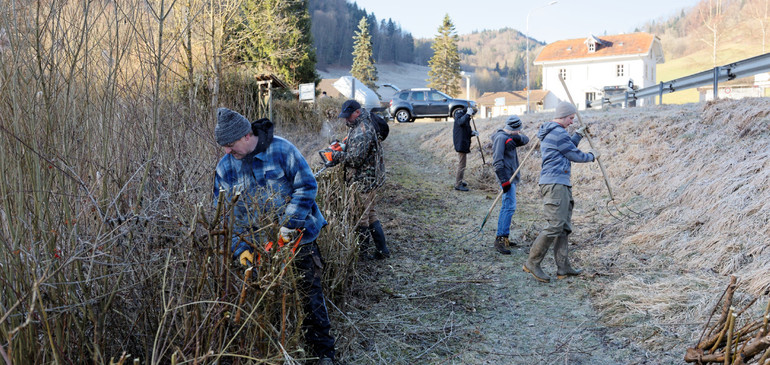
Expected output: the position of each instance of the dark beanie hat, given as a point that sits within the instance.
(348, 108)
(231, 126)
(513, 123)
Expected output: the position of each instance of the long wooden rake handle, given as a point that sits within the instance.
(500, 194)
(590, 142)
(481, 149)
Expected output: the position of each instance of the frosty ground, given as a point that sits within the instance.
(690, 208)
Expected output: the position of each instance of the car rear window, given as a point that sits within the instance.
(403, 96)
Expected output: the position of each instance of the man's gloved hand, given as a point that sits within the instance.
(474, 133)
(287, 234)
(246, 258)
(506, 186)
(470, 111)
(583, 130)
(595, 153)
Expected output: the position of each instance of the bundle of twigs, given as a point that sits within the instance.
(732, 340)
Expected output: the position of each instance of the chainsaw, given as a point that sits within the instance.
(328, 155)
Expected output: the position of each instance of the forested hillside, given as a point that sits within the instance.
(713, 33)
(498, 58)
(334, 25)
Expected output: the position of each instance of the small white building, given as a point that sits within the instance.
(600, 67)
(494, 104)
(747, 87)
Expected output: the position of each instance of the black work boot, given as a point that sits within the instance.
(378, 236)
(536, 255)
(500, 245)
(364, 243)
(461, 188)
(561, 256)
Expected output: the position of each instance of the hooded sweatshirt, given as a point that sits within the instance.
(559, 150)
(505, 158)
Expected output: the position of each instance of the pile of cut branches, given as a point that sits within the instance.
(733, 339)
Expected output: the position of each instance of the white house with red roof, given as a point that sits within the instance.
(597, 67)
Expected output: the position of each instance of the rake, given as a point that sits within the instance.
(481, 149)
(599, 161)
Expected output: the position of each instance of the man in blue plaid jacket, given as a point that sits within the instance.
(273, 178)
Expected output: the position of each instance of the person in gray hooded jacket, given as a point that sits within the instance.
(506, 161)
(558, 150)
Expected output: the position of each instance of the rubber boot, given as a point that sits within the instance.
(561, 255)
(536, 254)
(364, 243)
(378, 236)
(501, 243)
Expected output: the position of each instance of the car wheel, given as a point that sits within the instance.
(403, 116)
(455, 112)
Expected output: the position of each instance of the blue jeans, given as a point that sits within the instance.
(506, 212)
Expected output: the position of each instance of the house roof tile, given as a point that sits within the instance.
(610, 45)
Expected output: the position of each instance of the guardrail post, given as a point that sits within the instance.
(660, 94)
(716, 83)
(625, 102)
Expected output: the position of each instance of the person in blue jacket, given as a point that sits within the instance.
(559, 150)
(272, 177)
(505, 160)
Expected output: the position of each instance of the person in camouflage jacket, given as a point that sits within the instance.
(362, 158)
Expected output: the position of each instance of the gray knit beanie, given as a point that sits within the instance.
(564, 109)
(231, 126)
(513, 123)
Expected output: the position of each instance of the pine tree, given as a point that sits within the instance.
(363, 64)
(444, 74)
(275, 36)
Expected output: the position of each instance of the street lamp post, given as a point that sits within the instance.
(467, 77)
(527, 36)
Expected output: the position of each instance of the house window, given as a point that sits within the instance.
(590, 97)
(563, 73)
(620, 71)
(591, 47)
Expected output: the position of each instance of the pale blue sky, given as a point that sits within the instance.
(566, 19)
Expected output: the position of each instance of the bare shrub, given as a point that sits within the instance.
(110, 244)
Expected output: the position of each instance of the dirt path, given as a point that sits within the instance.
(447, 297)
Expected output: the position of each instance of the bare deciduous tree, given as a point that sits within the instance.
(759, 10)
(710, 14)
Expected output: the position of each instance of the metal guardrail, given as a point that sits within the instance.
(748, 67)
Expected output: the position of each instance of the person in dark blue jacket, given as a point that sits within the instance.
(505, 160)
(273, 178)
(461, 136)
(559, 150)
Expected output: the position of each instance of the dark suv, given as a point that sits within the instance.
(410, 104)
